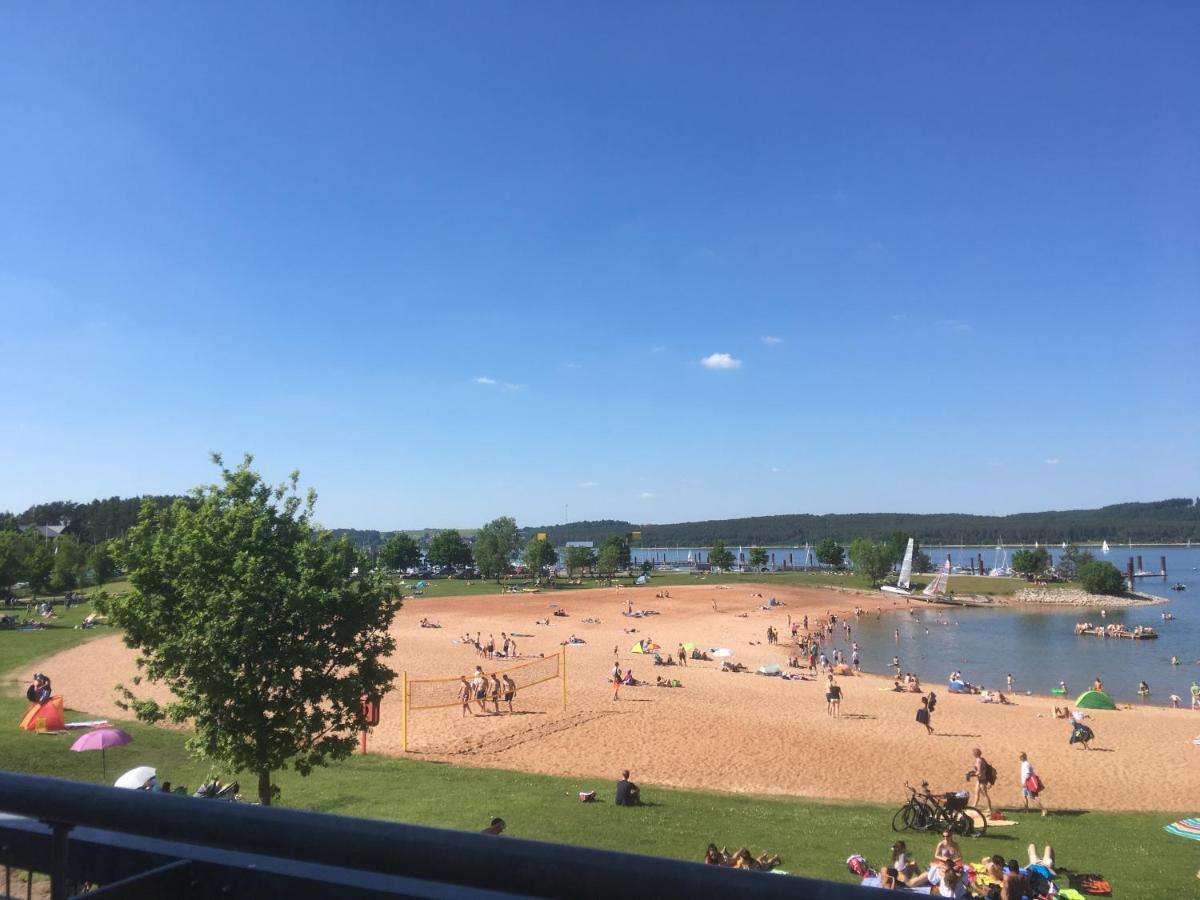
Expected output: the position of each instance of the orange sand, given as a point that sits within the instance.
(723, 731)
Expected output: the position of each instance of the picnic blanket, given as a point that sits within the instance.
(1186, 828)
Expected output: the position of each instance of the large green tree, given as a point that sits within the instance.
(1072, 560)
(448, 549)
(70, 562)
(400, 552)
(1100, 577)
(758, 557)
(617, 545)
(874, 560)
(103, 562)
(830, 553)
(252, 617)
(720, 556)
(495, 545)
(39, 565)
(539, 555)
(14, 554)
(580, 558)
(1030, 563)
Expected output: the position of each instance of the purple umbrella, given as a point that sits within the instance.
(100, 739)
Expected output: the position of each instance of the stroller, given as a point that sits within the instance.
(214, 790)
(1081, 734)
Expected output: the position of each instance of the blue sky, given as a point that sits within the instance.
(453, 261)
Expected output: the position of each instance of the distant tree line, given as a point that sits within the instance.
(1170, 521)
(1167, 521)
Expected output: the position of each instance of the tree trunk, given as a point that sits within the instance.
(264, 787)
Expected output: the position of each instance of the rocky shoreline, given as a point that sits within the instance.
(1075, 597)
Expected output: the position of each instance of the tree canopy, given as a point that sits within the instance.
(539, 555)
(758, 557)
(830, 553)
(580, 558)
(448, 549)
(872, 559)
(1100, 577)
(720, 556)
(253, 618)
(400, 552)
(1031, 563)
(495, 544)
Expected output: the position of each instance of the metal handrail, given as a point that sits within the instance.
(512, 865)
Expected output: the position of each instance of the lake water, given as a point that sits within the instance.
(1039, 646)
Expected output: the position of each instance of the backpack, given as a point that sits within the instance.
(989, 773)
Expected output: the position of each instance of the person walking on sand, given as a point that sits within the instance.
(616, 680)
(923, 715)
(479, 685)
(833, 699)
(985, 777)
(682, 656)
(1031, 785)
(1010, 682)
(464, 694)
(510, 690)
(496, 690)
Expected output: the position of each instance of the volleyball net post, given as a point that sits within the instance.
(419, 694)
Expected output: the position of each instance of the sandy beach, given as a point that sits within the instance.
(724, 731)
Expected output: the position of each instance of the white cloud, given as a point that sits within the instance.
(776, 469)
(771, 339)
(720, 361)
(646, 495)
(659, 349)
(573, 365)
(483, 379)
(589, 484)
(1052, 461)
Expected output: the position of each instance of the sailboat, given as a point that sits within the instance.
(904, 582)
(935, 591)
(1104, 547)
(1000, 563)
(1064, 545)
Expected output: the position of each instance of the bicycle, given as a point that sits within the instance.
(926, 811)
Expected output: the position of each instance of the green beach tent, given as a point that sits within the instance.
(1095, 700)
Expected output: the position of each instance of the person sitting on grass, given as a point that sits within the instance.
(497, 827)
(713, 856)
(628, 793)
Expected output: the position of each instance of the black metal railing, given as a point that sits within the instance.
(143, 844)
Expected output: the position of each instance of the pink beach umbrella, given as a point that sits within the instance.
(101, 739)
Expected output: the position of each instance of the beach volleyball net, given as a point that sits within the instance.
(440, 693)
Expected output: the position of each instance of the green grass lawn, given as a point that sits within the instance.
(814, 838)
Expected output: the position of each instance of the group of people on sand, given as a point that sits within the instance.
(483, 687)
(487, 649)
(617, 679)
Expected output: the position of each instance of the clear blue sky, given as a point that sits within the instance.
(453, 261)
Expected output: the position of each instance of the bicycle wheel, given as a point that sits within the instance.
(924, 816)
(978, 821)
(961, 824)
(902, 820)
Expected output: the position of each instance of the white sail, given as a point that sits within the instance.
(1064, 545)
(937, 587)
(1104, 548)
(905, 581)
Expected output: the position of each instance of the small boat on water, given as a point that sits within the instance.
(1179, 586)
(1140, 633)
(904, 582)
(1104, 547)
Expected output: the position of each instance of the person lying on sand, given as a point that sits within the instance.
(732, 667)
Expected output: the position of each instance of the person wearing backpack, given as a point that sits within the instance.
(984, 774)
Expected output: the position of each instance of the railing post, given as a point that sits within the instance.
(58, 859)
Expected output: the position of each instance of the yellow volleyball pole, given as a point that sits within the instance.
(404, 710)
(562, 672)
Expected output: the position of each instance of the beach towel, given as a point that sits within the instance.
(720, 651)
(1091, 884)
(1185, 828)
(771, 669)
